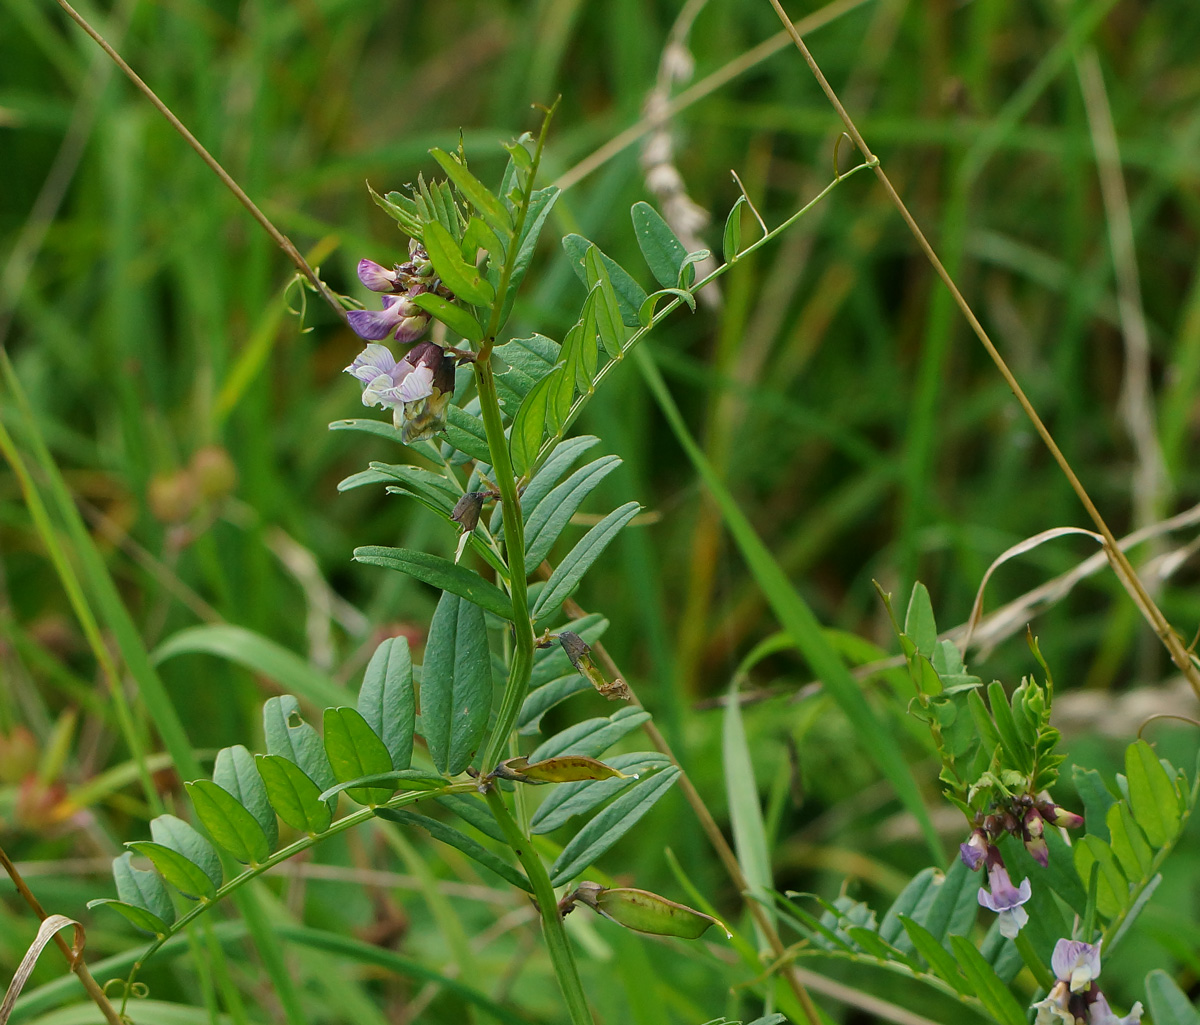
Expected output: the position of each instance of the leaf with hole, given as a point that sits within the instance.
(579, 560)
(287, 734)
(456, 684)
(387, 701)
(441, 573)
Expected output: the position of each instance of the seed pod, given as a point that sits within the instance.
(563, 769)
(646, 912)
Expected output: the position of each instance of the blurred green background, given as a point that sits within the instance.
(1051, 152)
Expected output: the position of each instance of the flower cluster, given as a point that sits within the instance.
(1024, 817)
(400, 317)
(1075, 999)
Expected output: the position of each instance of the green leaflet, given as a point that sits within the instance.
(731, 238)
(462, 278)
(466, 433)
(556, 464)
(529, 425)
(456, 684)
(599, 835)
(458, 320)
(295, 797)
(434, 486)
(355, 750)
(387, 700)
(481, 198)
(538, 702)
(551, 515)
(229, 823)
(143, 891)
(378, 428)
(1169, 1005)
(182, 839)
(630, 295)
(177, 870)
(135, 914)
(474, 811)
(236, 772)
(955, 904)
(663, 252)
(541, 202)
(592, 737)
(940, 962)
(441, 573)
(454, 838)
(609, 325)
(578, 561)
(1152, 797)
(891, 928)
(994, 995)
(288, 735)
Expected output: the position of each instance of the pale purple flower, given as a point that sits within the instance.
(974, 850)
(1033, 830)
(378, 278)
(1006, 899)
(400, 317)
(1099, 1013)
(1076, 963)
(417, 388)
(1059, 816)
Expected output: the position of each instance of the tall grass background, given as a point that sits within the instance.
(1050, 149)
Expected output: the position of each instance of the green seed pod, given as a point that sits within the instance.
(646, 912)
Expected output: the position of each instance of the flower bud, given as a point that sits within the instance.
(466, 510)
(172, 497)
(974, 850)
(1032, 830)
(1059, 816)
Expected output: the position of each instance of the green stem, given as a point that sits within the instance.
(514, 545)
(547, 904)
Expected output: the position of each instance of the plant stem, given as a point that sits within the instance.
(514, 547)
(75, 960)
(552, 922)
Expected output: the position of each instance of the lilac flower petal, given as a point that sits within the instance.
(1076, 962)
(1099, 1013)
(371, 362)
(376, 277)
(1011, 921)
(382, 391)
(417, 384)
(411, 328)
(973, 851)
(373, 325)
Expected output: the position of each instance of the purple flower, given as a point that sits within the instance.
(1005, 899)
(1075, 963)
(974, 850)
(1099, 1013)
(1059, 816)
(417, 388)
(377, 277)
(1033, 830)
(400, 318)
